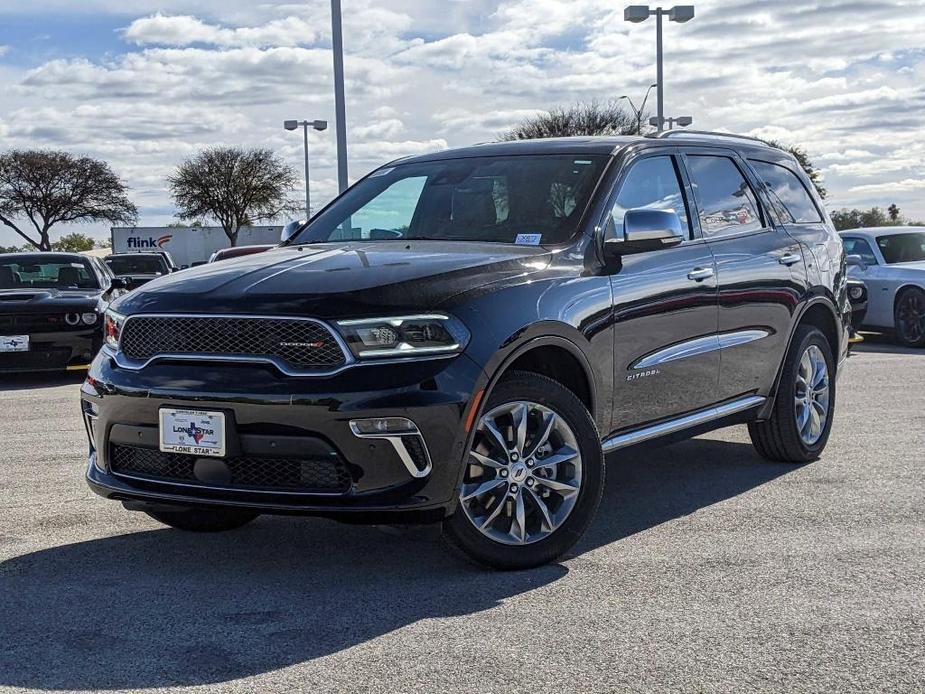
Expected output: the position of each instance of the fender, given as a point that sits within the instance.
(765, 411)
(485, 387)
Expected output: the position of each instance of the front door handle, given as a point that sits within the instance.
(789, 259)
(699, 274)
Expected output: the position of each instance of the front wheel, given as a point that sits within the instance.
(799, 426)
(203, 520)
(909, 317)
(533, 479)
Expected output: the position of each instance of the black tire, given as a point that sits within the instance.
(909, 317)
(198, 520)
(778, 438)
(462, 535)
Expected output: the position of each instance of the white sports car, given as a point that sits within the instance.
(891, 262)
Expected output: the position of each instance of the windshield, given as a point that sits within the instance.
(136, 264)
(37, 272)
(902, 248)
(531, 200)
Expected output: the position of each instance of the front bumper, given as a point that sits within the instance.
(54, 351)
(272, 417)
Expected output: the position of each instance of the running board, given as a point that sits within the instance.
(655, 431)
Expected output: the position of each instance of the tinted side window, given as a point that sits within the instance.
(727, 204)
(789, 196)
(856, 246)
(652, 183)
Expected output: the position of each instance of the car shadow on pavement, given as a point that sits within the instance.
(162, 608)
(31, 381)
(879, 343)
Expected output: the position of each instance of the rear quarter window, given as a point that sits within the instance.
(789, 197)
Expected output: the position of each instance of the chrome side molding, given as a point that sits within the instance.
(655, 431)
(698, 346)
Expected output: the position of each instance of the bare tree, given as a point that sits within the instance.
(591, 118)
(234, 186)
(48, 188)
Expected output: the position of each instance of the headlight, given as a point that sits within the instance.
(89, 318)
(112, 328)
(856, 292)
(404, 336)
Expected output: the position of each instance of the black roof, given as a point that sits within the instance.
(590, 145)
(48, 255)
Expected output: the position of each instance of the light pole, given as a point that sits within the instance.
(306, 124)
(640, 13)
(681, 121)
(639, 110)
(340, 104)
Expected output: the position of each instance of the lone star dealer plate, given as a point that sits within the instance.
(194, 432)
(14, 343)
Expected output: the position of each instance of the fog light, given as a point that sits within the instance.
(383, 426)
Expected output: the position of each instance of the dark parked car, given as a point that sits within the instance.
(462, 336)
(237, 252)
(51, 310)
(139, 268)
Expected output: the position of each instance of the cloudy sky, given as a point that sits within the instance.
(146, 83)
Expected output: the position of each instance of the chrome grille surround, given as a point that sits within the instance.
(296, 346)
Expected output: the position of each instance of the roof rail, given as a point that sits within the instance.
(707, 133)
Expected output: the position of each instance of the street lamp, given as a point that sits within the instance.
(682, 121)
(642, 108)
(306, 124)
(640, 13)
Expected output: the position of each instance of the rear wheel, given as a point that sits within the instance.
(534, 476)
(909, 317)
(799, 426)
(203, 520)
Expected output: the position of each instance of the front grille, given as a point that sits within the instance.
(35, 359)
(302, 345)
(23, 323)
(248, 473)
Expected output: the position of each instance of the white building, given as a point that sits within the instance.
(187, 245)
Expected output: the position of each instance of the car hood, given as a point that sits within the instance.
(48, 300)
(336, 280)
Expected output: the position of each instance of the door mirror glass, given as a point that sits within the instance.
(291, 230)
(646, 230)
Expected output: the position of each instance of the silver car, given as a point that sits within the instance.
(891, 262)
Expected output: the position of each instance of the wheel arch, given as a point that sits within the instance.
(820, 312)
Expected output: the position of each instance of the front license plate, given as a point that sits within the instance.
(195, 432)
(14, 343)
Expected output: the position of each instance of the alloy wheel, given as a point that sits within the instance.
(911, 317)
(811, 395)
(523, 475)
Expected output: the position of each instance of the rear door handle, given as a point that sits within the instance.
(699, 274)
(789, 259)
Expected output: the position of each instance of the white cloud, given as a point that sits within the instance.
(842, 78)
(4, 50)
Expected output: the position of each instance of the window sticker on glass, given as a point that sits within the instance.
(528, 239)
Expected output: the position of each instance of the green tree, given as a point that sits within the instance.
(234, 186)
(590, 118)
(893, 211)
(74, 243)
(856, 219)
(48, 188)
(815, 175)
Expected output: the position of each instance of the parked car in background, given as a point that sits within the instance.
(51, 309)
(857, 297)
(237, 252)
(139, 268)
(461, 337)
(891, 263)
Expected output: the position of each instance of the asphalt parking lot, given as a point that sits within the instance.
(707, 569)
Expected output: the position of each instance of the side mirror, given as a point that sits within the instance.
(291, 230)
(857, 261)
(646, 230)
(120, 283)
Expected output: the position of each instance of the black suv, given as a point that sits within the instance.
(462, 336)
